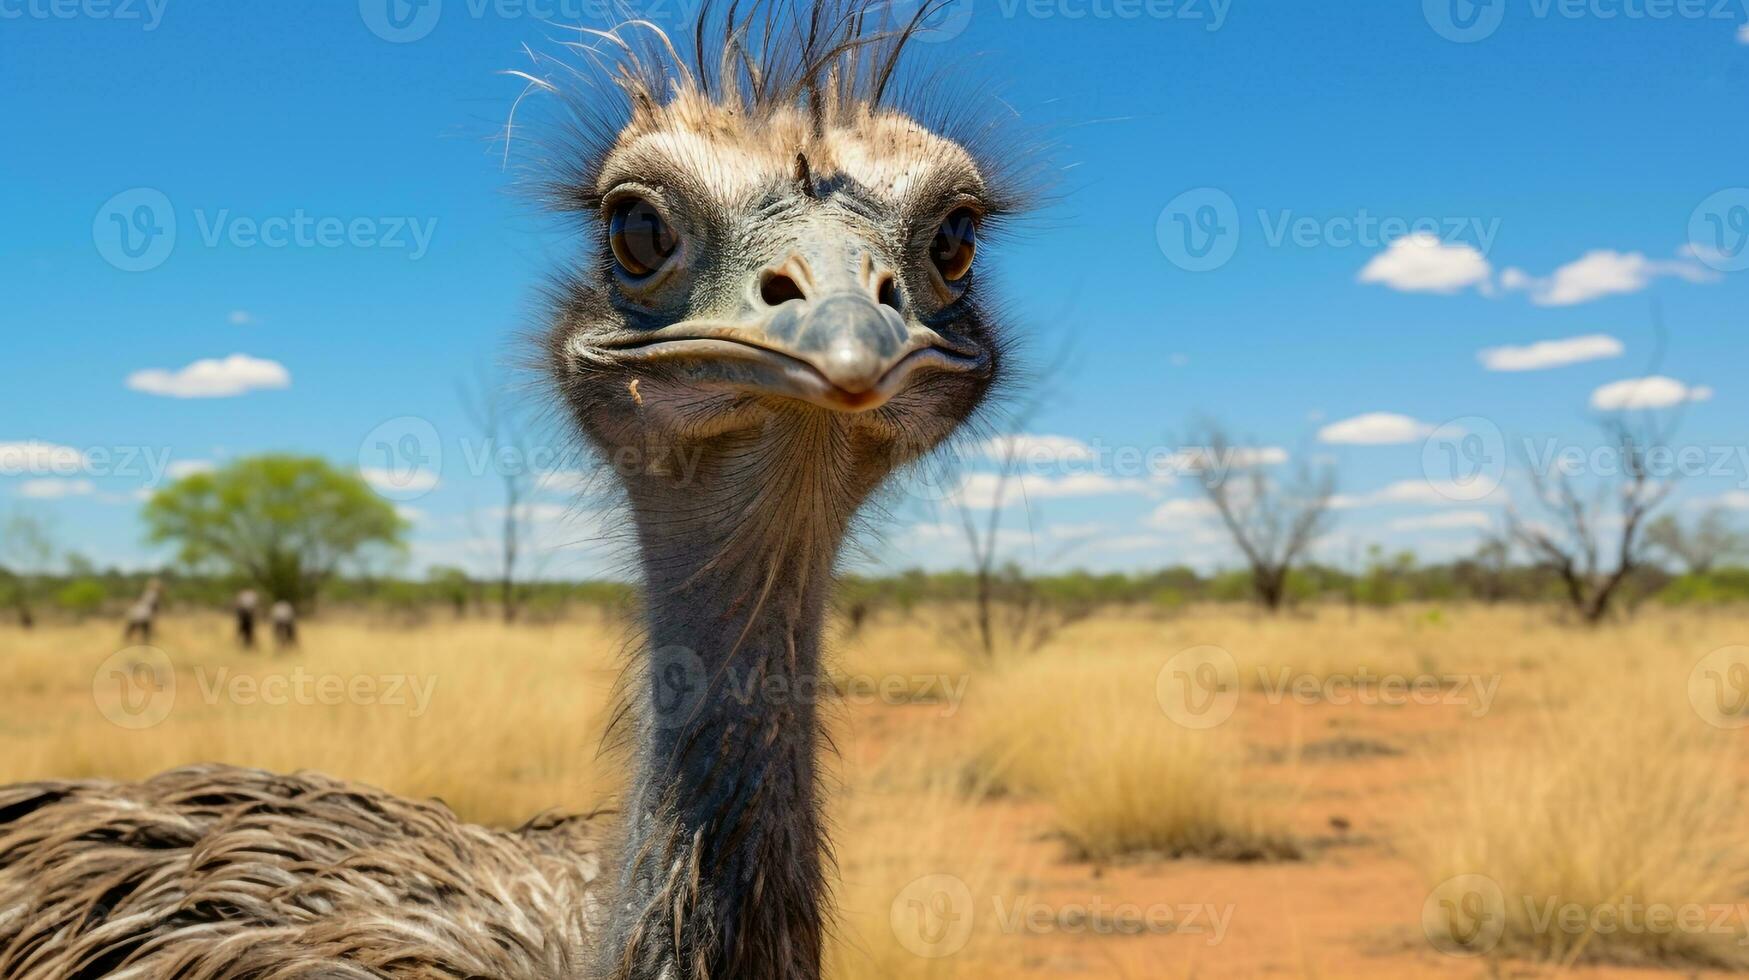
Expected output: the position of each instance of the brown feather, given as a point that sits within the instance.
(219, 873)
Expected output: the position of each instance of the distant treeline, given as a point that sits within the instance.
(90, 592)
(1398, 581)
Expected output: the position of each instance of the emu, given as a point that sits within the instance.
(142, 616)
(780, 279)
(285, 624)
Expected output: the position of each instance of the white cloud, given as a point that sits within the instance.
(1076, 532)
(1036, 450)
(35, 458)
(1736, 500)
(189, 467)
(1656, 391)
(1416, 492)
(55, 488)
(1139, 542)
(1182, 512)
(412, 515)
(212, 378)
(1421, 263)
(242, 318)
(1743, 34)
(571, 482)
(1375, 429)
(1196, 459)
(1551, 353)
(980, 490)
(1600, 273)
(933, 536)
(390, 481)
(1462, 520)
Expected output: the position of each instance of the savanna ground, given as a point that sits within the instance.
(1213, 794)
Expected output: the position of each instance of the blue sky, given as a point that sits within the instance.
(1551, 172)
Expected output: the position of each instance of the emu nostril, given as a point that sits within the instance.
(778, 289)
(889, 293)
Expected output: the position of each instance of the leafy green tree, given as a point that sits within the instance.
(1698, 548)
(454, 585)
(1387, 577)
(82, 597)
(27, 549)
(283, 523)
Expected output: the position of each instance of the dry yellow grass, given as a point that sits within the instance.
(1607, 825)
(498, 724)
(1588, 780)
(1088, 734)
(916, 867)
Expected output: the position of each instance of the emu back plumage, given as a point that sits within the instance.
(216, 872)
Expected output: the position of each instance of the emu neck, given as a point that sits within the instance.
(722, 869)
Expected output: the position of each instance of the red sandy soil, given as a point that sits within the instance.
(1351, 910)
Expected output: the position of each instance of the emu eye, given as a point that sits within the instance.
(641, 240)
(955, 245)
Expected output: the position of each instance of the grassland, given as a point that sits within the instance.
(1468, 792)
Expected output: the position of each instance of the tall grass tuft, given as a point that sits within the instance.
(1620, 800)
(1087, 735)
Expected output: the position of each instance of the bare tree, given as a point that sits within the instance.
(1273, 523)
(1593, 541)
(1009, 611)
(27, 549)
(509, 447)
(1698, 548)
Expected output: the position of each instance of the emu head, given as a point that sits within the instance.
(773, 252)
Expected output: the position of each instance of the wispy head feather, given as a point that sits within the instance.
(835, 62)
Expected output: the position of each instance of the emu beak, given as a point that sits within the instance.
(844, 352)
(848, 340)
